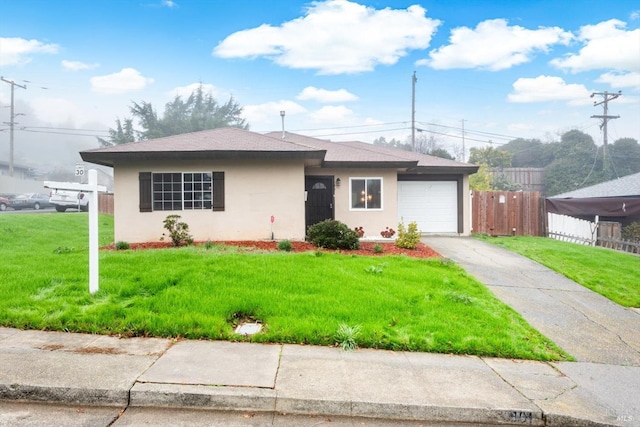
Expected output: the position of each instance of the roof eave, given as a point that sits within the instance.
(466, 169)
(367, 164)
(109, 158)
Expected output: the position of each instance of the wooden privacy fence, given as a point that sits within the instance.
(105, 203)
(508, 213)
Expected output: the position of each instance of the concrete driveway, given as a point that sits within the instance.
(585, 324)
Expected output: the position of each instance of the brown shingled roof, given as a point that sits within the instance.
(356, 153)
(235, 143)
(220, 143)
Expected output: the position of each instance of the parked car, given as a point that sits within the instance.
(64, 199)
(30, 201)
(4, 203)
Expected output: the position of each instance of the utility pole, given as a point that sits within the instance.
(414, 79)
(282, 113)
(463, 141)
(606, 97)
(11, 122)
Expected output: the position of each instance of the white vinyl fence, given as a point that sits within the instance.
(569, 229)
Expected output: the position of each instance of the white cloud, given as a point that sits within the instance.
(269, 112)
(620, 80)
(78, 66)
(333, 115)
(169, 3)
(126, 80)
(186, 91)
(493, 45)
(548, 88)
(634, 15)
(17, 51)
(325, 96)
(607, 45)
(335, 37)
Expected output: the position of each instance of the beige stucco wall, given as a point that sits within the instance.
(254, 191)
(373, 221)
(466, 206)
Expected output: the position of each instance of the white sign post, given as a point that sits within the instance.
(92, 188)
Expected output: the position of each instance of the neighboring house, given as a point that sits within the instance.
(22, 181)
(228, 183)
(616, 200)
(19, 171)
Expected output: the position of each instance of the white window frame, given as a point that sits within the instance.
(365, 179)
(204, 203)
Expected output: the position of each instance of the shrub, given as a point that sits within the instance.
(378, 249)
(632, 232)
(122, 245)
(360, 231)
(208, 245)
(332, 234)
(408, 238)
(285, 245)
(178, 231)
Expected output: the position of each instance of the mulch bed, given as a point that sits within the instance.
(366, 248)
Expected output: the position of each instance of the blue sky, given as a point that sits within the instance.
(340, 69)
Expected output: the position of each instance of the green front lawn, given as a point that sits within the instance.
(615, 275)
(398, 302)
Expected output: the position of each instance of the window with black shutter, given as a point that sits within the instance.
(170, 191)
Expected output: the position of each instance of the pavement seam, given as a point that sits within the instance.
(275, 381)
(542, 413)
(594, 323)
(158, 355)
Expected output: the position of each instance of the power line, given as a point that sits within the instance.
(58, 128)
(61, 133)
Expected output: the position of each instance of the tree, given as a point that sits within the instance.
(576, 164)
(120, 135)
(424, 145)
(481, 180)
(625, 156)
(431, 146)
(198, 112)
(394, 143)
(528, 153)
(490, 157)
(440, 152)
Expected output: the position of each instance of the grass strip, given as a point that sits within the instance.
(613, 274)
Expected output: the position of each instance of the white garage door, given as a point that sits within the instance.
(433, 205)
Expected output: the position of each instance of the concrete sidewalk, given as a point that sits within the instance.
(84, 369)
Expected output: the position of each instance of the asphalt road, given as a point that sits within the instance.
(10, 211)
(47, 415)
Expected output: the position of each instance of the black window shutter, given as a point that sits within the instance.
(218, 191)
(145, 191)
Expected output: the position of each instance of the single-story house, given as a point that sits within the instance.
(233, 184)
(617, 200)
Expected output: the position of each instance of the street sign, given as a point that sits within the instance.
(79, 170)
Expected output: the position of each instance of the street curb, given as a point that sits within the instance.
(153, 395)
(67, 395)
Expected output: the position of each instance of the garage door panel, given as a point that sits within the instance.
(433, 205)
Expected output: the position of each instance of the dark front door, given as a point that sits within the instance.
(319, 204)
